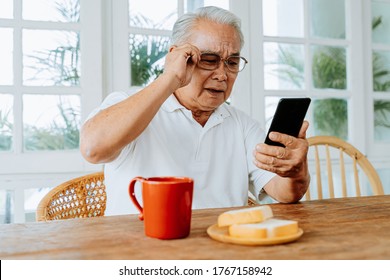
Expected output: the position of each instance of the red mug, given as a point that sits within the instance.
(167, 205)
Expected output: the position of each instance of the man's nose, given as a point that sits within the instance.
(221, 71)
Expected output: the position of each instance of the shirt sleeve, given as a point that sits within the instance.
(110, 100)
(258, 178)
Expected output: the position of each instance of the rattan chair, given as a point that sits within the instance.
(334, 157)
(81, 197)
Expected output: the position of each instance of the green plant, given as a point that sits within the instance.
(6, 128)
(381, 72)
(61, 134)
(63, 63)
(289, 65)
(330, 117)
(329, 68)
(69, 10)
(382, 111)
(144, 58)
(57, 63)
(145, 55)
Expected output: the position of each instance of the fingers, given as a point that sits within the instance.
(180, 63)
(304, 127)
(271, 164)
(280, 166)
(284, 161)
(285, 139)
(271, 156)
(281, 153)
(288, 140)
(190, 53)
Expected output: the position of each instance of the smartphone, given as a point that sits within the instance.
(288, 118)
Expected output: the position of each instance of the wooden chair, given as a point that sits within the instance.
(252, 202)
(81, 197)
(333, 153)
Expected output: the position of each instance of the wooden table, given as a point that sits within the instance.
(345, 228)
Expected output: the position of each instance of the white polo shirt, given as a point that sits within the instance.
(217, 156)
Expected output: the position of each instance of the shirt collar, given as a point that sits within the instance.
(172, 104)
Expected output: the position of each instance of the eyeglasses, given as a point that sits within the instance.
(211, 61)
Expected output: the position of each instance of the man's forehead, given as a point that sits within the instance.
(222, 52)
(221, 48)
(215, 37)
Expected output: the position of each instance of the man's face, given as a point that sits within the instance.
(208, 89)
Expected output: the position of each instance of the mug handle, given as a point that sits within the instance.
(133, 198)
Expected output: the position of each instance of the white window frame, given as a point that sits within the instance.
(21, 170)
(381, 151)
(359, 90)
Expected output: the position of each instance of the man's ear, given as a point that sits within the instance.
(172, 47)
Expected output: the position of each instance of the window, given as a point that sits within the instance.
(148, 34)
(47, 87)
(380, 57)
(325, 50)
(308, 59)
(57, 64)
(46, 55)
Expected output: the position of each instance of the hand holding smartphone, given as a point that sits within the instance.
(288, 118)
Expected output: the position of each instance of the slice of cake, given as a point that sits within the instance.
(267, 229)
(245, 216)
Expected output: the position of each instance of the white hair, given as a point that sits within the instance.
(184, 25)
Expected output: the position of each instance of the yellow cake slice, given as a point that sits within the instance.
(267, 229)
(245, 216)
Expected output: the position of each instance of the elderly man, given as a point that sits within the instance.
(180, 125)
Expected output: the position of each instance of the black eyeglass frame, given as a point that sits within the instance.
(243, 62)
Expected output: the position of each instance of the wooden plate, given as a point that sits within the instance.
(221, 234)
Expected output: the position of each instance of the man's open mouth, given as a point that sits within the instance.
(215, 91)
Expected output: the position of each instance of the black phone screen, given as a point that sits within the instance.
(288, 118)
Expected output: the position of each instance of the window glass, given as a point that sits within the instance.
(283, 66)
(271, 102)
(331, 117)
(6, 8)
(336, 178)
(283, 18)
(51, 58)
(329, 67)
(6, 206)
(192, 5)
(147, 55)
(51, 122)
(381, 70)
(382, 120)
(380, 22)
(32, 197)
(327, 18)
(142, 14)
(219, 3)
(6, 122)
(6, 56)
(384, 174)
(49, 10)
